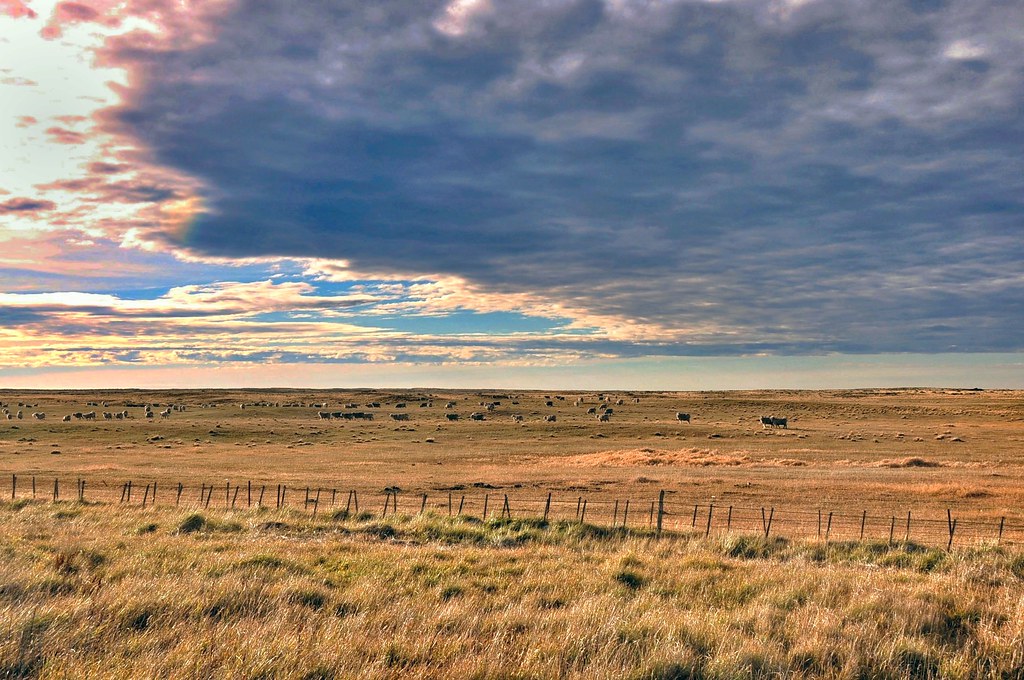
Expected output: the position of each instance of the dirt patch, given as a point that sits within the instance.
(912, 462)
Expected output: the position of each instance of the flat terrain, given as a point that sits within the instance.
(885, 452)
(225, 587)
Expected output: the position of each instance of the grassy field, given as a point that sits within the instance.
(102, 589)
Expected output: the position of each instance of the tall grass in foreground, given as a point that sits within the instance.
(95, 591)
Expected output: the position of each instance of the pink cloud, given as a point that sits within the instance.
(65, 136)
(26, 121)
(25, 205)
(16, 9)
(68, 13)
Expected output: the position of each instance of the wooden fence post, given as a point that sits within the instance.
(14, 485)
(819, 524)
(892, 528)
(423, 505)
(728, 521)
(625, 515)
(259, 503)
(485, 507)
(145, 496)
(661, 509)
(583, 511)
(906, 539)
(355, 500)
(154, 494)
(707, 529)
(462, 502)
(33, 487)
(56, 490)
(334, 496)
(129, 491)
(209, 495)
(863, 521)
(507, 511)
(952, 528)
(693, 522)
(348, 503)
(650, 518)
(999, 538)
(449, 504)
(316, 502)
(579, 504)
(828, 527)
(547, 507)
(177, 501)
(387, 499)
(284, 490)
(227, 494)
(234, 498)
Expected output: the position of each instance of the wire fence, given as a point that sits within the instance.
(658, 513)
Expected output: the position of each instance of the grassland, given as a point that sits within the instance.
(100, 589)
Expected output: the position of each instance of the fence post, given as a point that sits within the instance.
(56, 490)
(348, 503)
(906, 539)
(506, 510)
(14, 485)
(999, 539)
(863, 521)
(177, 501)
(129, 490)
(547, 507)
(768, 529)
(579, 504)
(485, 507)
(387, 499)
(305, 505)
(707, 529)
(625, 515)
(462, 501)
(728, 521)
(145, 496)
(355, 500)
(650, 518)
(693, 523)
(423, 505)
(227, 494)
(583, 511)
(154, 494)
(661, 509)
(209, 495)
(235, 497)
(334, 496)
(819, 524)
(892, 528)
(284, 490)
(828, 527)
(449, 504)
(316, 502)
(33, 487)
(952, 528)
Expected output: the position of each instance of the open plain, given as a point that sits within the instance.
(221, 578)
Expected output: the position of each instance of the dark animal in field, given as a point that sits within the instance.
(683, 417)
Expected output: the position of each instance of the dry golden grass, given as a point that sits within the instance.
(97, 591)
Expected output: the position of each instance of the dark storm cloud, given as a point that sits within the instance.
(825, 176)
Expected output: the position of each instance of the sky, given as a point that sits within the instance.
(663, 194)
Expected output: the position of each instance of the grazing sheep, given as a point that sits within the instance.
(550, 419)
(682, 417)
